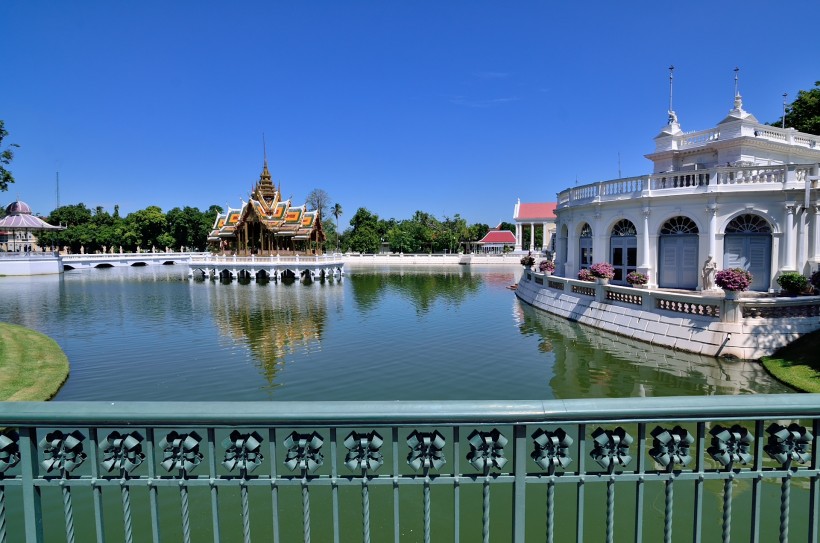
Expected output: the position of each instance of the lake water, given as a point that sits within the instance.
(413, 333)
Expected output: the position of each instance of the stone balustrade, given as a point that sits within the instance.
(704, 323)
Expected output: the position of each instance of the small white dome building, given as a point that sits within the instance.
(743, 192)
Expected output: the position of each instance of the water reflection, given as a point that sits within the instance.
(421, 333)
(591, 363)
(421, 287)
(275, 319)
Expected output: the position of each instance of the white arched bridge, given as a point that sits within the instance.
(266, 267)
(111, 260)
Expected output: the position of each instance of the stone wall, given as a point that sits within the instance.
(700, 324)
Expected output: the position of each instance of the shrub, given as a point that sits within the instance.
(527, 261)
(602, 270)
(585, 275)
(546, 266)
(793, 282)
(735, 279)
(636, 278)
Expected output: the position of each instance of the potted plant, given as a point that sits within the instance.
(585, 275)
(637, 279)
(602, 271)
(546, 267)
(527, 261)
(793, 283)
(732, 281)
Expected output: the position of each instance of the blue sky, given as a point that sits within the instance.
(447, 107)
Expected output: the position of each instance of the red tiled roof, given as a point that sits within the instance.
(537, 211)
(499, 236)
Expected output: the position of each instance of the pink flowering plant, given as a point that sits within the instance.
(585, 275)
(636, 278)
(546, 266)
(734, 279)
(602, 270)
(527, 261)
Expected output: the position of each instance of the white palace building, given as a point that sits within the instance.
(743, 192)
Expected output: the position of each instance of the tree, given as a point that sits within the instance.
(6, 156)
(364, 236)
(804, 113)
(337, 211)
(318, 199)
(147, 227)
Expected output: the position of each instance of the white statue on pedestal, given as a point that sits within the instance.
(708, 273)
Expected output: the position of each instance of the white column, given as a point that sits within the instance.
(517, 236)
(645, 262)
(599, 247)
(814, 240)
(791, 250)
(544, 236)
(712, 210)
(532, 236)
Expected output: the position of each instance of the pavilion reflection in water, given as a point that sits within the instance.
(274, 325)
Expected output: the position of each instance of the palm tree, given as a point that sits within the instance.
(337, 211)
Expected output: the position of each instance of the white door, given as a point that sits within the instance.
(678, 261)
(753, 253)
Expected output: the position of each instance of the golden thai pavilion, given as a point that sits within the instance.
(267, 225)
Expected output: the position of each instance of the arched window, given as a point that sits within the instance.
(624, 227)
(679, 225)
(585, 246)
(748, 224)
(623, 249)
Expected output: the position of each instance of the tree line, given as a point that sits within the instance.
(98, 230)
(422, 233)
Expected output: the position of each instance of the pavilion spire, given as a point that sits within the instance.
(672, 127)
(738, 98)
(673, 118)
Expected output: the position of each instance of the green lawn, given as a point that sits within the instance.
(32, 366)
(797, 364)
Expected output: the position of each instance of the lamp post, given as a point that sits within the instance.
(783, 124)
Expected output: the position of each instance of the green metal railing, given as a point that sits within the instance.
(634, 469)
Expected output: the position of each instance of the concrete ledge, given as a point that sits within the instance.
(749, 338)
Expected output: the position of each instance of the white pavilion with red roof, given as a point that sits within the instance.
(497, 241)
(532, 215)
